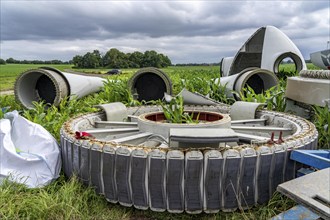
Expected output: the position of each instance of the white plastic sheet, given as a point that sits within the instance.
(29, 154)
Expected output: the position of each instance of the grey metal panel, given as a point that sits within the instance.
(183, 188)
(157, 181)
(298, 165)
(244, 110)
(276, 171)
(108, 173)
(310, 190)
(95, 167)
(258, 121)
(123, 178)
(138, 182)
(104, 131)
(115, 111)
(114, 124)
(175, 189)
(302, 146)
(65, 156)
(259, 128)
(85, 163)
(247, 182)
(212, 183)
(263, 181)
(69, 158)
(315, 142)
(289, 167)
(134, 138)
(309, 145)
(230, 189)
(63, 153)
(193, 182)
(203, 135)
(76, 157)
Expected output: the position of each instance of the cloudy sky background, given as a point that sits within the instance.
(186, 31)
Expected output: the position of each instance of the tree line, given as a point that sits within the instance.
(14, 61)
(111, 59)
(114, 58)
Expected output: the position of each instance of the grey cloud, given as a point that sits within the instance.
(197, 31)
(82, 20)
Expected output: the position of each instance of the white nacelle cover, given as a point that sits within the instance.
(29, 154)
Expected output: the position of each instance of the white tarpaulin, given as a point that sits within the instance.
(29, 154)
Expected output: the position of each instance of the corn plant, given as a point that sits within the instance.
(3, 111)
(52, 117)
(8, 103)
(49, 117)
(284, 74)
(219, 92)
(322, 122)
(274, 98)
(174, 111)
(115, 90)
(197, 84)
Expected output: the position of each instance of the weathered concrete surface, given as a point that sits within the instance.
(312, 191)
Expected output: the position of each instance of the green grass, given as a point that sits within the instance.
(9, 73)
(68, 198)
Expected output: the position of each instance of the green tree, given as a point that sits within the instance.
(115, 59)
(98, 57)
(77, 61)
(164, 60)
(136, 59)
(90, 60)
(151, 59)
(11, 60)
(2, 61)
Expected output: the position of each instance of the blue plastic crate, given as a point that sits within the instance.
(319, 159)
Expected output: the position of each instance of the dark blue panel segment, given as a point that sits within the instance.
(69, 147)
(289, 169)
(263, 177)
(76, 157)
(175, 171)
(230, 186)
(247, 181)
(95, 158)
(122, 179)
(193, 190)
(64, 155)
(212, 189)
(157, 173)
(84, 164)
(138, 181)
(109, 176)
(277, 170)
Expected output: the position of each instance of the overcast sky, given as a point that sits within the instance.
(186, 31)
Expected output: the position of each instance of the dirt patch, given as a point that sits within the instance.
(7, 92)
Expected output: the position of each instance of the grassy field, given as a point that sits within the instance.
(68, 198)
(9, 72)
